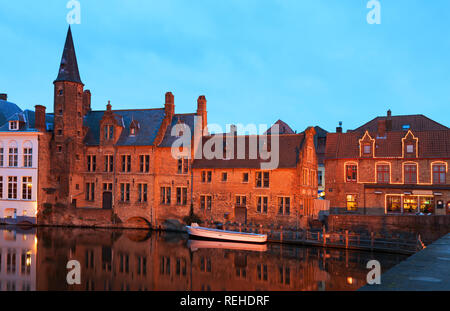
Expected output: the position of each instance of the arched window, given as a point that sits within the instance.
(13, 154)
(27, 154)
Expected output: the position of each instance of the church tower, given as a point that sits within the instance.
(69, 110)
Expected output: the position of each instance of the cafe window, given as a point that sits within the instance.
(383, 174)
(351, 172)
(439, 173)
(352, 204)
(426, 205)
(394, 204)
(410, 173)
(410, 204)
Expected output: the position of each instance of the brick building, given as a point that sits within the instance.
(122, 161)
(238, 190)
(390, 165)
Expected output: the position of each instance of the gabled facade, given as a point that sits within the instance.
(401, 167)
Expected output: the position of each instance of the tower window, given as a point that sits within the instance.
(60, 92)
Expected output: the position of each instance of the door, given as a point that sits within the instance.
(240, 215)
(107, 200)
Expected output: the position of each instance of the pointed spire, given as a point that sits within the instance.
(68, 70)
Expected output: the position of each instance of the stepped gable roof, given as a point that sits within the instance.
(150, 121)
(431, 144)
(289, 149)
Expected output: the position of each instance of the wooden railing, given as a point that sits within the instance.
(393, 243)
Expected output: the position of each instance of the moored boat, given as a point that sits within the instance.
(216, 234)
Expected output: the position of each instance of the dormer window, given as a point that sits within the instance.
(134, 127)
(409, 148)
(14, 125)
(109, 132)
(367, 149)
(406, 127)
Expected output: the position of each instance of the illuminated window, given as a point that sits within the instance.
(410, 173)
(352, 204)
(351, 171)
(394, 204)
(426, 205)
(410, 204)
(383, 174)
(439, 174)
(27, 187)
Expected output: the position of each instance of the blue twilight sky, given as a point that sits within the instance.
(307, 62)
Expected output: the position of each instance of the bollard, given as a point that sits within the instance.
(346, 238)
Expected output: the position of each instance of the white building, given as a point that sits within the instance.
(18, 168)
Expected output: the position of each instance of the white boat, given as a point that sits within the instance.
(216, 234)
(194, 245)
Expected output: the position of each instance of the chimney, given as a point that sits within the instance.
(339, 128)
(233, 129)
(86, 102)
(39, 116)
(169, 107)
(382, 127)
(201, 110)
(4, 96)
(389, 120)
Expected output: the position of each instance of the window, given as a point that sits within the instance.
(125, 192)
(27, 157)
(181, 195)
(305, 176)
(126, 163)
(262, 272)
(439, 174)
(394, 204)
(224, 176)
(14, 125)
(90, 191)
(144, 163)
(107, 186)
(109, 163)
(12, 187)
(262, 179)
(320, 178)
(2, 153)
(206, 176)
(27, 187)
(383, 174)
(406, 127)
(109, 132)
(411, 174)
(183, 166)
(132, 131)
(165, 195)
(245, 177)
(261, 205)
(426, 205)
(284, 205)
(142, 193)
(59, 148)
(409, 148)
(313, 178)
(241, 201)
(205, 202)
(91, 163)
(351, 173)
(1, 188)
(352, 204)
(410, 204)
(367, 149)
(13, 157)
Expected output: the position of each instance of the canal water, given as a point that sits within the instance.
(122, 260)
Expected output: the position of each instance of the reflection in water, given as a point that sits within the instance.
(139, 260)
